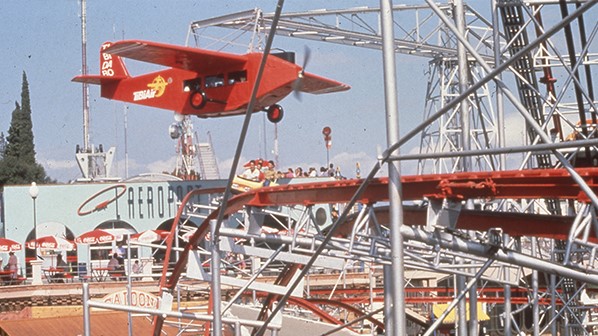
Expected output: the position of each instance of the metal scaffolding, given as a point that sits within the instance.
(513, 249)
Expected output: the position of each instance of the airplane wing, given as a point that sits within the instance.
(317, 85)
(187, 58)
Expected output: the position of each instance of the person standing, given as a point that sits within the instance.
(13, 264)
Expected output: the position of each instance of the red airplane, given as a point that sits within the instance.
(202, 82)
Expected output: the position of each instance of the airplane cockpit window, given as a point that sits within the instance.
(192, 85)
(214, 81)
(237, 77)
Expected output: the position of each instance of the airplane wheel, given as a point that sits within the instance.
(198, 99)
(275, 113)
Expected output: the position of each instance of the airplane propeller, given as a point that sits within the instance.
(298, 83)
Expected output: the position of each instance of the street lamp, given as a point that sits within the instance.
(34, 192)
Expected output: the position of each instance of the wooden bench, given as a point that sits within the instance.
(117, 275)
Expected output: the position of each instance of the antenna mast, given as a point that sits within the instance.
(84, 72)
(94, 163)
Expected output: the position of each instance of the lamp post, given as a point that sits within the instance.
(34, 192)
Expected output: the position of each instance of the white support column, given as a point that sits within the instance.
(147, 264)
(36, 272)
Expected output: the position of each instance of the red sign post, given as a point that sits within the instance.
(326, 131)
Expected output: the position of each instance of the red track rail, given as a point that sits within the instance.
(428, 295)
(519, 184)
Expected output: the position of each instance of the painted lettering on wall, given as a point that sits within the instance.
(161, 202)
(150, 202)
(144, 202)
(138, 299)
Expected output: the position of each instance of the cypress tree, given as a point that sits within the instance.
(18, 166)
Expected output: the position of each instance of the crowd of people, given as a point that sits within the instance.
(264, 171)
(117, 261)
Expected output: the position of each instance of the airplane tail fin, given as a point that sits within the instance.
(111, 65)
(112, 69)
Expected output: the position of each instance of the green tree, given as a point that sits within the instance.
(18, 166)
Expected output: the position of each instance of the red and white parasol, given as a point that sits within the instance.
(9, 245)
(150, 236)
(97, 237)
(51, 243)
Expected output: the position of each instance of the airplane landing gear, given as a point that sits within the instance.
(275, 113)
(198, 99)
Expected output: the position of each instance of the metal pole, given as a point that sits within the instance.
(84, 72)
(396, 281)
(507, 304)
(473, 310)
(459, 17)
(178, 304)
(86, 315)
(129, 284)
(276, 144)
(553, 322)
(265, 138)
(34, 231)
(215, 268)
(126, 144)
(499, 97)
(461, 320)
(535, 306)
(388, 321)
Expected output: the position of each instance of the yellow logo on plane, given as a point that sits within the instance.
(156, 89)
(158, 84)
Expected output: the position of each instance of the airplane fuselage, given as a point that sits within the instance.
(202, 82)
(227, 89)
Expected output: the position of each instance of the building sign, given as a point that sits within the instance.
(82, 207)
(138, 299)
(73, 209)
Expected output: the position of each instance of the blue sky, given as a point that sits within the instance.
(43, 38)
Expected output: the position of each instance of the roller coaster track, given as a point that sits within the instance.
(526, 184)
(440, 230)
